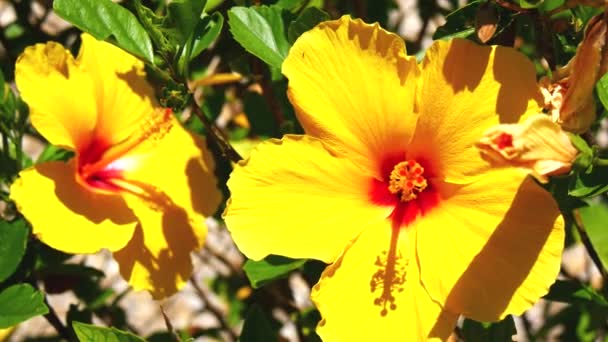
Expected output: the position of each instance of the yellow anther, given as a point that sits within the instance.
(406, 179)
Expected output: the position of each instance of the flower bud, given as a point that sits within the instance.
(538, 145)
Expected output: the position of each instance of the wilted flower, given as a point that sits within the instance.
(569, 94)
(538, 144)
(131, 187)
(388, 188)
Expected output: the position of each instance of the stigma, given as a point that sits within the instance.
(407, 180)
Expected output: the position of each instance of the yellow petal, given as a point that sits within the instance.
(177, 164)
(173, 189)
(60, 94)
(157, 258)
(491, 248)
(467, 88)
(68, 217)
(353, 87)
(294, 197)
(123, 96)
(373, 293)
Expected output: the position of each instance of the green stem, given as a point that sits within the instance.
(216, 134)
(600, 162)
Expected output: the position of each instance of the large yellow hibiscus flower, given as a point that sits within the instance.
(386, 186)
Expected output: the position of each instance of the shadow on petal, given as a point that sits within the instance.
(465, 68)
(518, 263)
(93, 206)
(157, 259)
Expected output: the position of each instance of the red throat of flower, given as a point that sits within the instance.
(98, 168)
(406, 187)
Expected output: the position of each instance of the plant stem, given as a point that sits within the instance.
(217, 135)
(54, 320)
(600, 162)
(214, 310)
(578, 223)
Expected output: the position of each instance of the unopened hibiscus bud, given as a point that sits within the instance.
(569, 94)
(538, 144)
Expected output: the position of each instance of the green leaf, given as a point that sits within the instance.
(588, 184)
(53, 153)
(584, 160)
(104, 19)
(458, 24)
(13, 240)
(205, 33)
(257, 327)
(92, 333)
(270, 268)
(261, 31)
(602, 90)
(474, 331)
(308, 19)
(595, 219)
(530, 3)
(184, 15)
(19, 303)
(574, 292)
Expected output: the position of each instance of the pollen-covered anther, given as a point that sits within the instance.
(407, 180)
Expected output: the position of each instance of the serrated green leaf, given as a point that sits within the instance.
(13, 241)
(104, 19)
(308, 19)
(257, 327)
(595, 219)
(270, 268)
(206, 32)
(92, 333)
(261, 31)
(19, 303)
(474, 331)
(183, 16)
(574, 293)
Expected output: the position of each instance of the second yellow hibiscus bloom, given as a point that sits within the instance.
(388, 188)
(140, 185)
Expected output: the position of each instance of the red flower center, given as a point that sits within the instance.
(406, 186)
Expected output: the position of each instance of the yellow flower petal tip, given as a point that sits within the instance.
(130, 187)
(388, 188)
(538, 145)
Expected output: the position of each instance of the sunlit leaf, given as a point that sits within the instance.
(92, 333)
(19, 303)
(205, 33)
(104, 19)
(261, 31)
(270, 268)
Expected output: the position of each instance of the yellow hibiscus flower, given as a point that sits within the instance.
(140, 185)
(388, 188)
